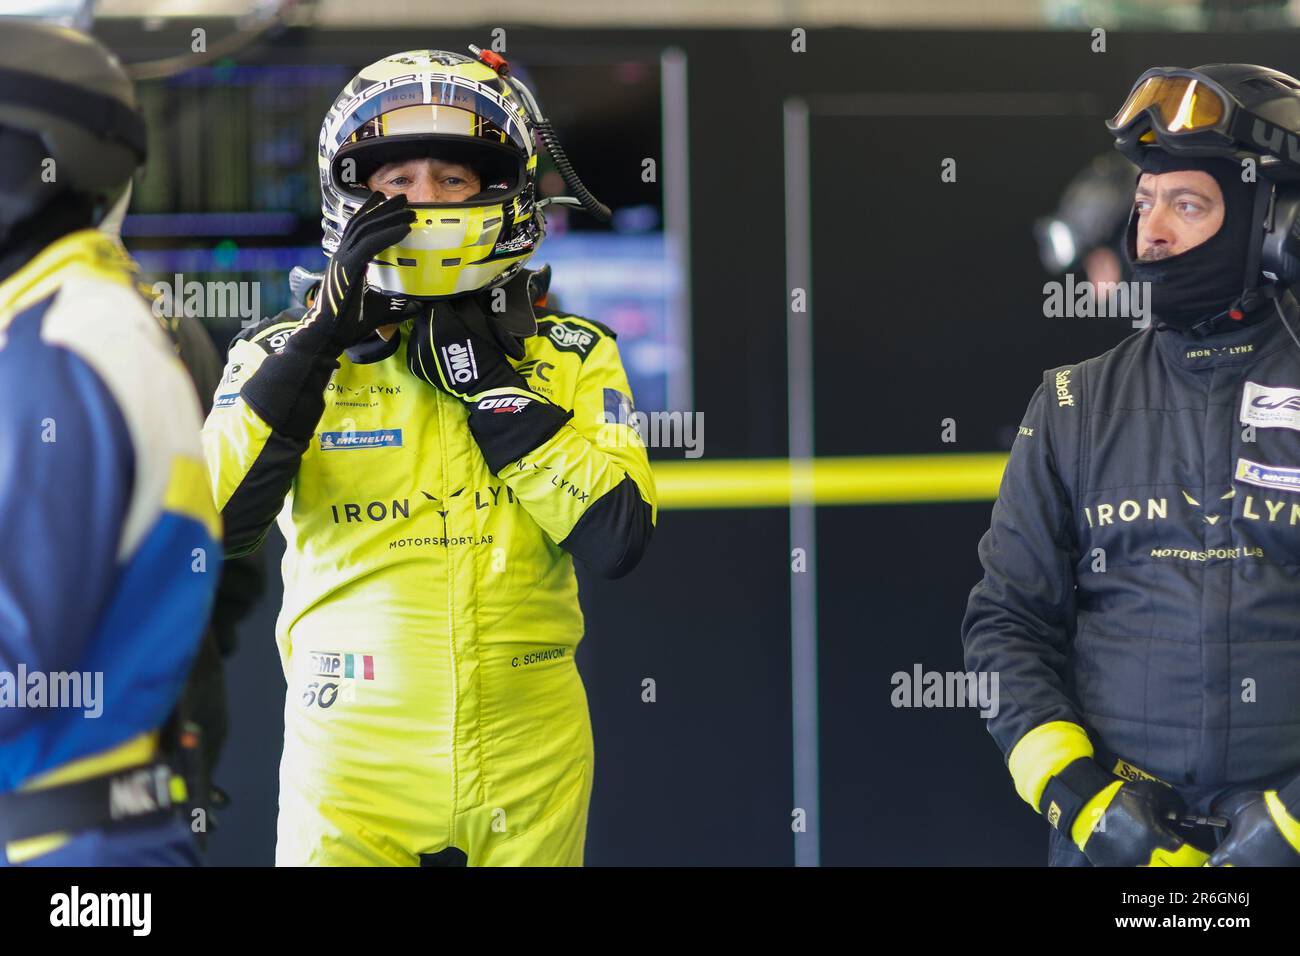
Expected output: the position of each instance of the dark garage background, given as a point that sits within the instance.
(927, 304)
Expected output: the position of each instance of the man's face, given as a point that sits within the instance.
(1176, 212)
(425, 180)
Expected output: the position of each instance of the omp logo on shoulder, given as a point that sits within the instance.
(1270, 406)
(1268, 476)
(569, 337)
(379, 438)
(505, 403)
(225, 400)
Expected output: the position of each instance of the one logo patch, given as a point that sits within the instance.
(1266, 407)
(380, 438)
(618, 407)
(459, 362)
(1268, 476)
(225, 400)
(505, 403)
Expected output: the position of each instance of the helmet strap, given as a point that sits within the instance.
(1255, 293)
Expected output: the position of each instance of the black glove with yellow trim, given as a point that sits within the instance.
(1117, 822)
(1261, 832)
(462, 346)
(336, 320)
(287, 390)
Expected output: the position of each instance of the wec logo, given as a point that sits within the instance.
(1265, 402)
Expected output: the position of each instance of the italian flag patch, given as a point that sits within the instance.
(358, 667)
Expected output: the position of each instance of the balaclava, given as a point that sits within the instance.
(1204, 281)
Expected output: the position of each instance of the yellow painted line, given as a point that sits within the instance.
(863, 480)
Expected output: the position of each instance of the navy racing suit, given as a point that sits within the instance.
(1142, 568)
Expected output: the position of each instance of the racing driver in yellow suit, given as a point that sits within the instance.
(436, 452)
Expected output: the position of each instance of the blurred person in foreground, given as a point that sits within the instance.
(205, 703)
(113, 537)
(1140, 601)
(436, 454)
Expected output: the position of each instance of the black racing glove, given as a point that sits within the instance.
(1117, 822)
(287, 391)
(336, 321)
(462, 347)
(1260, 832)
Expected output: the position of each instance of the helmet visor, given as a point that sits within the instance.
(443, 105)
(1181, 104)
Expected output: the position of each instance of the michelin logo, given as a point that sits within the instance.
(1266, 407)
(1268, 476)
(342, 441)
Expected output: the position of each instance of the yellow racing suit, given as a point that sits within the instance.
(431, 610)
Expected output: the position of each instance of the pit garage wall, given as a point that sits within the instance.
(927, 305)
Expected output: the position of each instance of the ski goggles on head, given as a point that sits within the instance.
(1187, 112)
(1177, 101)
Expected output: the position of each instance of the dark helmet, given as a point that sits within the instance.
(1236, 111)
(69, 122)
(1232, 110)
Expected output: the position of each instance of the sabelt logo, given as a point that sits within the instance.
(1063, 396)
(458, 359)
